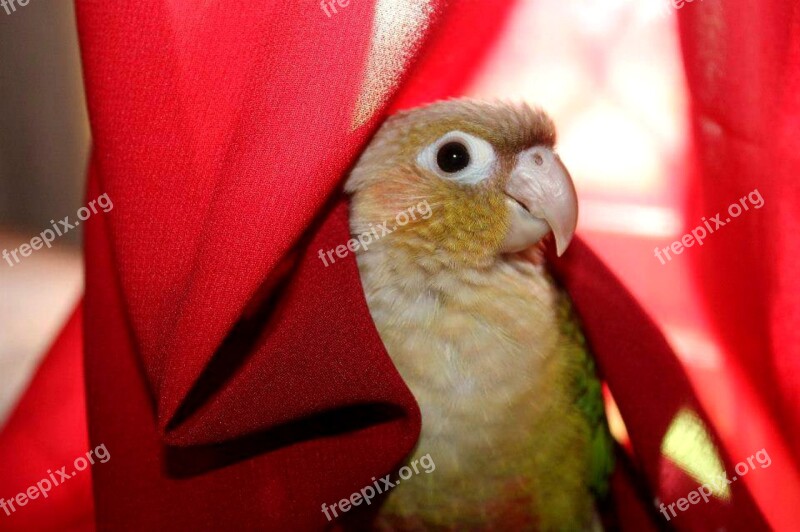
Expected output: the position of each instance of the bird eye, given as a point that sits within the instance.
(460, 157)
(452, 157)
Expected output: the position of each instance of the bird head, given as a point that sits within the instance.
(488, 173)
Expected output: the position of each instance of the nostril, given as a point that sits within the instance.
(538, 159)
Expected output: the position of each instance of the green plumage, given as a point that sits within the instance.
(590, 402)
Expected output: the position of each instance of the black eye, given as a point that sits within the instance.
(452, 157)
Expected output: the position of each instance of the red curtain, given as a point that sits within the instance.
(743, 68)
(235, 380)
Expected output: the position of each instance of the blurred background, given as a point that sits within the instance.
(44, 142)
(608, 71)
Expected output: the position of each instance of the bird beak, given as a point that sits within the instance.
(541, 198)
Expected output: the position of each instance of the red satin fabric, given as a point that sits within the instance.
(236, 381)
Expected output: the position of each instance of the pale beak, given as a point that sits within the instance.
(541, 198)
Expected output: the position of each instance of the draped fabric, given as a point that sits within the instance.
(743, 71)
(743, 68)
(236, 381)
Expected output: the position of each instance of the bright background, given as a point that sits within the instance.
(44, 141)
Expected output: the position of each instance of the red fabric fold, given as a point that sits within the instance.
(272, 391)
(650, 388)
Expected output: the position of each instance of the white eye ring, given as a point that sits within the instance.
(479, 162)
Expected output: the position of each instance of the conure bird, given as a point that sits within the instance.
(512, 411)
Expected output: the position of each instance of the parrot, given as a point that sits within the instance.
(511, 406)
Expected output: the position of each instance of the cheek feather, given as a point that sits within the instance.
(463, 227)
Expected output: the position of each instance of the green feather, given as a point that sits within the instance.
(589, 400)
